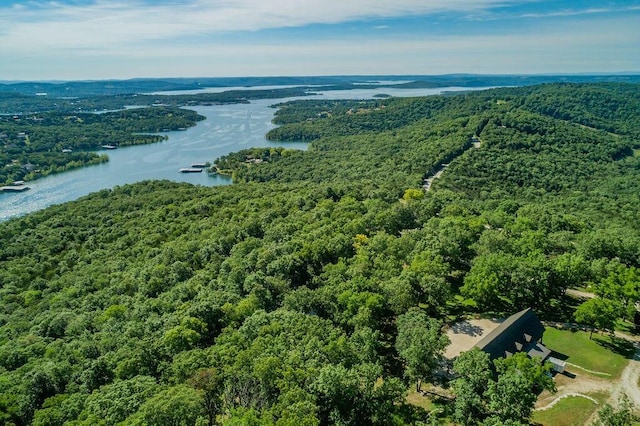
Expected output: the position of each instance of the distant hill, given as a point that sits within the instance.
(117, 87)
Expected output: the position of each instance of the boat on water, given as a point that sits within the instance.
(14, 188)
(109, 147)
(199, 165)
(190, 170)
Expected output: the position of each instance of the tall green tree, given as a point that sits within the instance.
(623, 415)
(473, 371)
(179, 405)
(511, 397)
(598, 313)
(537, 373)
(506, 398)
(520, 379)
(209, 382)
(420, 343)
(622, 285)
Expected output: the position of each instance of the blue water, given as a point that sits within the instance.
(228, 128)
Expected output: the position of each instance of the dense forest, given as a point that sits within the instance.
(10, 103)
(35, 145)
(316, 289)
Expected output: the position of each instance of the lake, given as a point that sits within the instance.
(227, 128)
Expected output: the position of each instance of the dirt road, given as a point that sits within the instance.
(628, 383)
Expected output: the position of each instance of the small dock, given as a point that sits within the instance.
(14, 188)
(199, 166)
(190, 170)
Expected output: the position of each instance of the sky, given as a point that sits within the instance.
(120, 39)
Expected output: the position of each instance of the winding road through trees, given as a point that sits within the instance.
(428, 181)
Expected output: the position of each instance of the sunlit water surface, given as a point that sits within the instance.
(227, 128)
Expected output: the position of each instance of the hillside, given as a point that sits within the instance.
(289, 297)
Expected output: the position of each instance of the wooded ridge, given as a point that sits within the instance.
(315, 290)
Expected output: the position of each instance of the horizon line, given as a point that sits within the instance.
(454, 74)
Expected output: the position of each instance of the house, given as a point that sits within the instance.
(521, 332)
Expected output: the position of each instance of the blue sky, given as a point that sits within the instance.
(104, 39)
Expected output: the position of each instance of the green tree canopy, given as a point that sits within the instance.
(420, 344)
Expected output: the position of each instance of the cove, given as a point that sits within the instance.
(227, 128)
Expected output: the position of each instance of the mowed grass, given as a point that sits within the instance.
(418, 400)
(602, 353)
(569, 411)
(422, 405)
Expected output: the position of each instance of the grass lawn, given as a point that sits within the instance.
(428, 403)
(570, 411)
(418, 400)
(603, 353)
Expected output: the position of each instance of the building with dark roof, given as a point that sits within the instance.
(521, 332)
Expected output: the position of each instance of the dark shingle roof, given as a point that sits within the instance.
(519, 332)
(538, 350)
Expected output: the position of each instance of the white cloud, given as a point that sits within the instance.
(610, 46)
(205, 38)
(35, 25)
(560, 13)
(573, 12)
